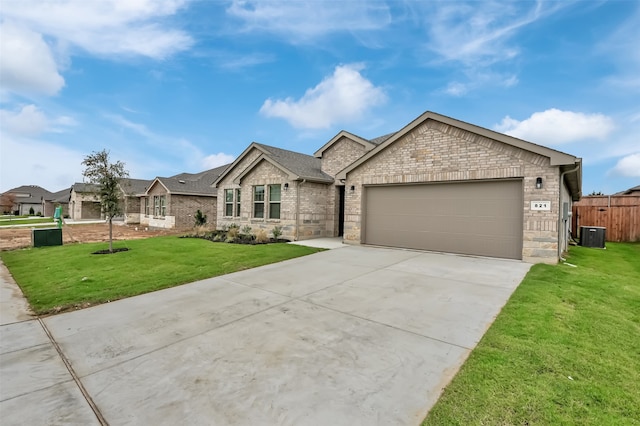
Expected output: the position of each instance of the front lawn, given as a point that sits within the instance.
(26, 221)
(59, 278)
(564, 350)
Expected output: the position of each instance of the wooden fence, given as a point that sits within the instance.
(620, 214)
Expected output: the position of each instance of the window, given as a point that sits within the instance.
(228, 202)
(237, 203)
(274, 201)
(258, 201)
(159, 205)
(146, 206)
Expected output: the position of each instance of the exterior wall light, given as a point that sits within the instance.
(353, 188)
(286, 186)
(539, 183)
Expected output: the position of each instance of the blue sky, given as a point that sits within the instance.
(183, 86)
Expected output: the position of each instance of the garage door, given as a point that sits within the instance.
(90, 210)
(478, 218)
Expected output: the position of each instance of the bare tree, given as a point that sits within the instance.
(100, 171)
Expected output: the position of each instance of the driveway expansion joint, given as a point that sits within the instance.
(76, 379)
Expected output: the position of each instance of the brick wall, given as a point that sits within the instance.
(183, 208)
(339, 155)
(436, 152)
(305, 201)
(168, 221)
(335, 158)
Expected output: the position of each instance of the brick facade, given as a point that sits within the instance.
(431, 151)
(436, 152)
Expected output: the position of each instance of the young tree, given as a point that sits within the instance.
(105, 175)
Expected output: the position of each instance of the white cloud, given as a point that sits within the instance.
(216, 160)
(37, 37)
(31, 121)
(105, 27)
(27, 63)
(342, 97)
(303, 21)
(478, 33)
(628, 166)
(28, 162)
(553, 127)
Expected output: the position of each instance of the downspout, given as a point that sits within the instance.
(560, 209)
(298, 208)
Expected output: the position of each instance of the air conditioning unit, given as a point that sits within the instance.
(592, 236)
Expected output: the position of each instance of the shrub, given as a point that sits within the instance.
(232, 234)
(201, 219)
(246, 230)
(200, 231)
(31, 211)
(277, 232)
(39, 214)
(261, 236)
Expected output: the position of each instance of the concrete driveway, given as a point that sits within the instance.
(351, 336)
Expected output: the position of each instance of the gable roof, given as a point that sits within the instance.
(134, 187)
(567, 162)
(61, 196)
(629, 191)
(369, 145)
(298, 166)
(190, 183)
(31, 194)
(84, 187)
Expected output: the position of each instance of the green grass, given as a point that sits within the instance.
(12, 222)
(564, 350)
(59, 278)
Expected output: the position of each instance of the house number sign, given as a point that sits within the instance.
(541, 205)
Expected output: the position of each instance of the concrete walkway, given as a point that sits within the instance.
(354, 336)
(36, 387)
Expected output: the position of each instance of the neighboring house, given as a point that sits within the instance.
(437, 184)
(60, 198)
(172, 202)
(631, 191)
(29, 197)
(133, 191)
(84, 202)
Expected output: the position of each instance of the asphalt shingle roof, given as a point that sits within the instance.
(303, 165)
(193, 183)
(34, 193)
(381, 139)
(134, 187)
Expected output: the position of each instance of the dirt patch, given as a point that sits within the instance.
(15, 238)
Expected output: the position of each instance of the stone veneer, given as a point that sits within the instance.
(437, 152)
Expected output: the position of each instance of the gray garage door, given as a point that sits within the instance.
(479, 218)
(90, 210)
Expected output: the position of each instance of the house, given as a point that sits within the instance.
(29, 197)
(133, 191)
(172, 202)
(84, 202)
(631, 191)
(437, 184)
(60, 198)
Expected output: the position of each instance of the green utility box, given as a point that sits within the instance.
(46, 237)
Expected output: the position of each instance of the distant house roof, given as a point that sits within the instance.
(134, 187)
(29, 194)
(298, 166)
(61, 196)
(191, 183)
(84, 187)
(630, 191)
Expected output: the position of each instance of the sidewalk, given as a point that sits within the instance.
(13, 305)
